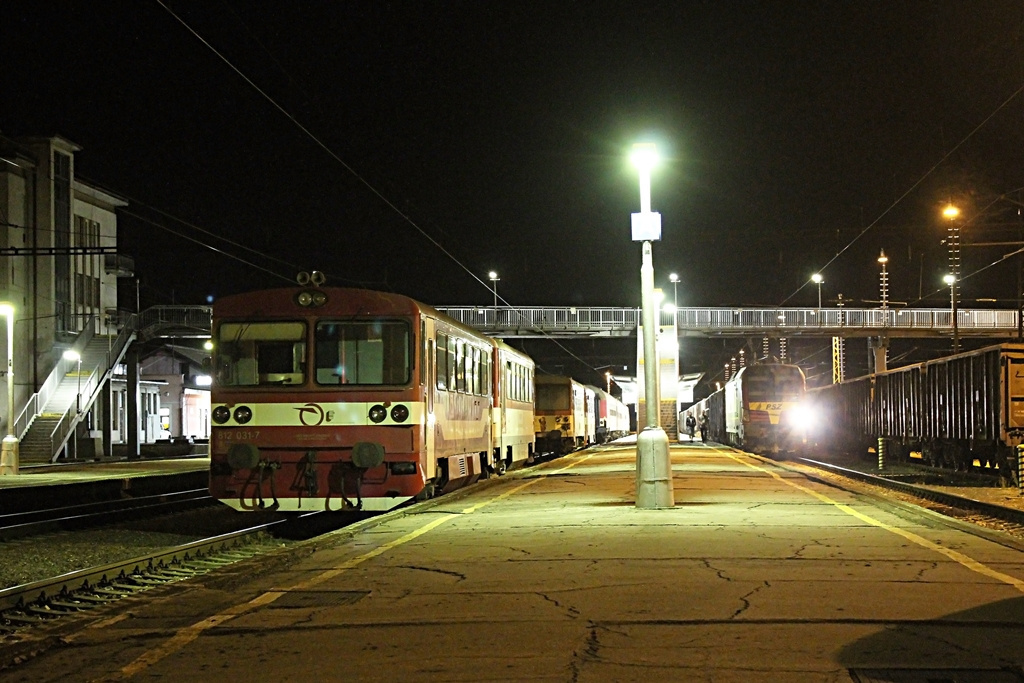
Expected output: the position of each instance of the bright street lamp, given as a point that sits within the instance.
(818, 279)
(883, 280)
(952, 213)
(950, 280)
(493, 277)
(674, 279)
(75, 356)
(9, 454)
(653, 461)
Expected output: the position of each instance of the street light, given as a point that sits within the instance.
(494, 285)
(653, 461)
(674, 279)
(883, 280)
(951, 281)
(608, 381)
(818, 279)
(952, 213)
(9, 453)
(75, 356)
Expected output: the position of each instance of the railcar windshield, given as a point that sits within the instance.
(553, 397)
(773, 387)
(363, 352)
(261, 353)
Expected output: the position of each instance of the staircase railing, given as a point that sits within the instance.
(98, 375)
(100, 372)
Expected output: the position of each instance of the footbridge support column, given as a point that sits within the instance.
(880, 348)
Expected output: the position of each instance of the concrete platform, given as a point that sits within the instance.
(552, 574)
(44, 486)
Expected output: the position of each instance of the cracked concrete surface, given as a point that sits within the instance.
(746, 579)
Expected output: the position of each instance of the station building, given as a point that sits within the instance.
(77, 390)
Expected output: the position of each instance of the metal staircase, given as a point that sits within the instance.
(52, 415)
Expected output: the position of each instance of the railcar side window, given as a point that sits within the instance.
(441, 366)
(364, 352)
(261, 353)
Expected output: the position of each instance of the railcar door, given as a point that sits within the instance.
(1013, 419)
(430, 389)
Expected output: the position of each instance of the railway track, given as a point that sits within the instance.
(40, 602)
(1011, 515)
(72, 517)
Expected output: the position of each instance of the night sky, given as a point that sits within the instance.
(414, 146)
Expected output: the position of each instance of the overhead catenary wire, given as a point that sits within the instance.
(306, 131)
(909, 190)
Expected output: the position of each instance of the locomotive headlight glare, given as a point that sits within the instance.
(378, 413)
(221, 414)
(400, 413)
(304, 298)
(803, 417)
(243, 414)
(319, 298)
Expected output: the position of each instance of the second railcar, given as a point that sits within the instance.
(954, 411)
(512, 424)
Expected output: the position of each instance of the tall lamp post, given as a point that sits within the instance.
(674, 279)
(818, 279)
(9, 455)
(951, 213)
(951, 281)
(653, 461)
(883, 281)
(493, 277)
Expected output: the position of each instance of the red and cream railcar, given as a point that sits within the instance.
(332, 398)
(512, 422)
(611, 416)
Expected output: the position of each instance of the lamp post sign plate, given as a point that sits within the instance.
(646, 226)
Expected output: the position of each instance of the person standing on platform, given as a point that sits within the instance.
(703, 425)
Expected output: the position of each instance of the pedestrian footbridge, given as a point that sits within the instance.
(575, 321)
(589, 321)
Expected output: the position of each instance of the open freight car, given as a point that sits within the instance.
(959, 411)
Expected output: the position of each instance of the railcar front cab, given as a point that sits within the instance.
(339, 433)
(776, 416)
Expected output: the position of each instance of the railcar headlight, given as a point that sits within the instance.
(304, 298)
(400, 413)
(319, 298)
(378, 413)
(402, 467)
(221, 414)
(803, 417)
(243, 414)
